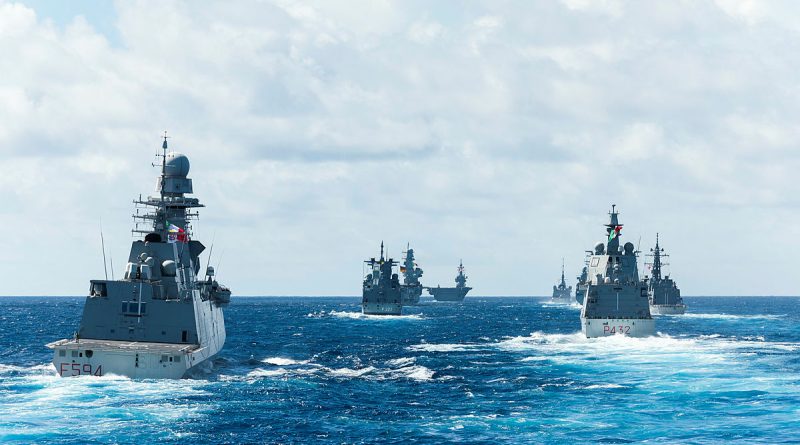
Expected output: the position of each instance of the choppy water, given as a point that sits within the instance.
(493, 370)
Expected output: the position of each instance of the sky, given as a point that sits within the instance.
(497, 132)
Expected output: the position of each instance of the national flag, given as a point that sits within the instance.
(176, 234)
(614, 233)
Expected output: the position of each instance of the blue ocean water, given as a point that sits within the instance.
(491, 370)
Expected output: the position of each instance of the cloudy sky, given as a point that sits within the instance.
(498, 132)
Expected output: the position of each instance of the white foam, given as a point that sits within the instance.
(444, 347)
(605, 386)
(731, 316)
(361, 316)
(281, 361)
(347, 372)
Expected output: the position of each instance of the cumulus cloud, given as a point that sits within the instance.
(495, 132)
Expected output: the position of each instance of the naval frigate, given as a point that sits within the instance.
(452, 293)
(562, 293)
(381, 288)
(411, 289)
(616, 299)
(160, 320)
(583, 278)
(665, 297)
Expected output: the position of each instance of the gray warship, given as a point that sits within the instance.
(452, 293)
(665, 297)
(411, 289)
(381, 290)
(583, 278)
(562, 293)
(616, 299)
(161, 320)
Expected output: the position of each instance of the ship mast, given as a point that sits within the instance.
(163, 206)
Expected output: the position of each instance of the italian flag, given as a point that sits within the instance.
(614, 233)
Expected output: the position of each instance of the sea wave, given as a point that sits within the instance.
(361, 316)
(732, 316)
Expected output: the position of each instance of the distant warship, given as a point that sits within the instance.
(616, 300)
(562, 293)
(452, 293)
(583, 278)
(381, 290)
(161, 320)
(665, 297)
(411, 289)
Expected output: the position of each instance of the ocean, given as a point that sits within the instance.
(490, 370)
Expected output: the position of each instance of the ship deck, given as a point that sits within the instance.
(116, 345)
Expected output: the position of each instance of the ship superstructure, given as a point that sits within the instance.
(583, 278)
(616, 299)
(411, 289)
(665, 297)
(381, 288)
(452, 293)
(160, 320)
(562, 293)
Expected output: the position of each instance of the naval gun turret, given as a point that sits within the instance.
(616, 299)
(665, 297)
(381, 288)
(411, 289)
(159, 320)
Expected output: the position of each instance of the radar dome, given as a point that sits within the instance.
(177, 164)
(629, 248)
(599, 248)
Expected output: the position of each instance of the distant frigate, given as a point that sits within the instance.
(583, 278)
(381, 288)
(665, 297)
(616, 299)
(562, 293)
(161, 320)
(452, 293)
(411, 289)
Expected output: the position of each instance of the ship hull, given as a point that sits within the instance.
(452, 294)
(410, 294)
(135, 360)
(144, 360)
(381, 308)
(667, 309)
(605, 327)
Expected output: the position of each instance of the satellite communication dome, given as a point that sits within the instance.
(177, 164)
(599, 248)
(629, 248)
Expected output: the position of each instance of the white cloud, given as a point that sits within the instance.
(495, 132)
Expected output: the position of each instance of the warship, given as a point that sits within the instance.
(411, 289)
(580, 287)
(452, 293)
(562, 293)
(160, 320)
(616, 299)
(665, 297)
(381, 291)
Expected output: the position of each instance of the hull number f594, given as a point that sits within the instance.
(76, 369)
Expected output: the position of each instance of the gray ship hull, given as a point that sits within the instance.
(605, 327)
(562, 297)
(410, 295)
(580, 293)
(143, 360)
(456, 294)
(667, 309)
(369, 308)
